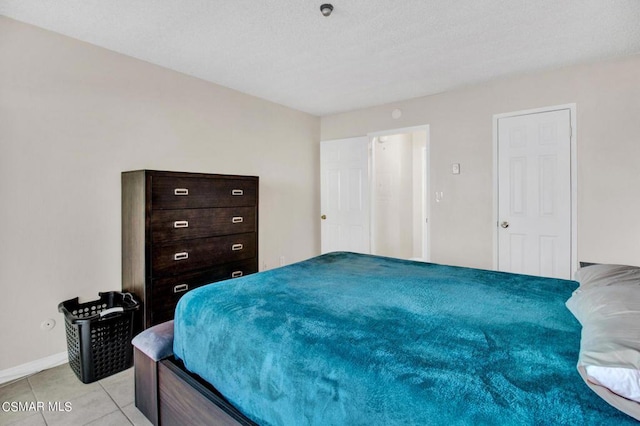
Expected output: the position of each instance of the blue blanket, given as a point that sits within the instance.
(349, 339)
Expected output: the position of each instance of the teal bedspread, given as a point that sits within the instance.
(349, 339)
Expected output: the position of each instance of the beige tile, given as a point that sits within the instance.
(91, 404)
(59, 384)
(25, 419)
(18, 391)
(135, 416)
(120, 387)
(117, 418)
(83, 409)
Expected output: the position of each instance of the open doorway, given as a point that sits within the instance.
(399, 200)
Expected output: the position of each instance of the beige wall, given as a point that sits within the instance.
(72, 117)
(607, 97)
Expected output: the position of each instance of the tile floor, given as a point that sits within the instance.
(107, 402)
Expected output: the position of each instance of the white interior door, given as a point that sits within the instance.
(344, 186)
(534, 194)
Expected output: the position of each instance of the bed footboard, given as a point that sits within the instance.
(185, 400)
(167, 394)
(146, 385)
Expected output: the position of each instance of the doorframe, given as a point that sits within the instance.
(426, 226)
(574, 176)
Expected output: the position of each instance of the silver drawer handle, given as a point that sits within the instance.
(236, 274)
(237, 192)
(181, 256)
(181, 224)
(237, 219)
(180, 288)
(181, 191)
(237, 247)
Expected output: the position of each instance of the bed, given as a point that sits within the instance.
(346, 338)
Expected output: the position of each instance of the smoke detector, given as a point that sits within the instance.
(326, 9)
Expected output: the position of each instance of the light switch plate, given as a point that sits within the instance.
(455, 168)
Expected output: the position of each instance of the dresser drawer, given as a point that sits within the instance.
(201, 253)
(187, 192)
(166, 292)
(172, 225)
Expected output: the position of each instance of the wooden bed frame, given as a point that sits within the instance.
(169, 395)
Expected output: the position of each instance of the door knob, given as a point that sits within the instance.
(505, 224)
(323, 217)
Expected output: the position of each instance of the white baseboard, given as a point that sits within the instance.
(23, 370)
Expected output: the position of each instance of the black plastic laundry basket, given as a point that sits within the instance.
(99, 334)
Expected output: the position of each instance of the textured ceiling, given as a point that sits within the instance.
(368, 52)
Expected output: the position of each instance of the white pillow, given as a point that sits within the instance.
(623, 381)
(607, 275)
(610, 318)
(607, 304)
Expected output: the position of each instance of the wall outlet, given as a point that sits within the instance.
(48, 324)
(282, 261)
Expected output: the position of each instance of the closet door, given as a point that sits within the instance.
(534, 194)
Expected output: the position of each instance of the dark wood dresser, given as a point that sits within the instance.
(183, 230)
